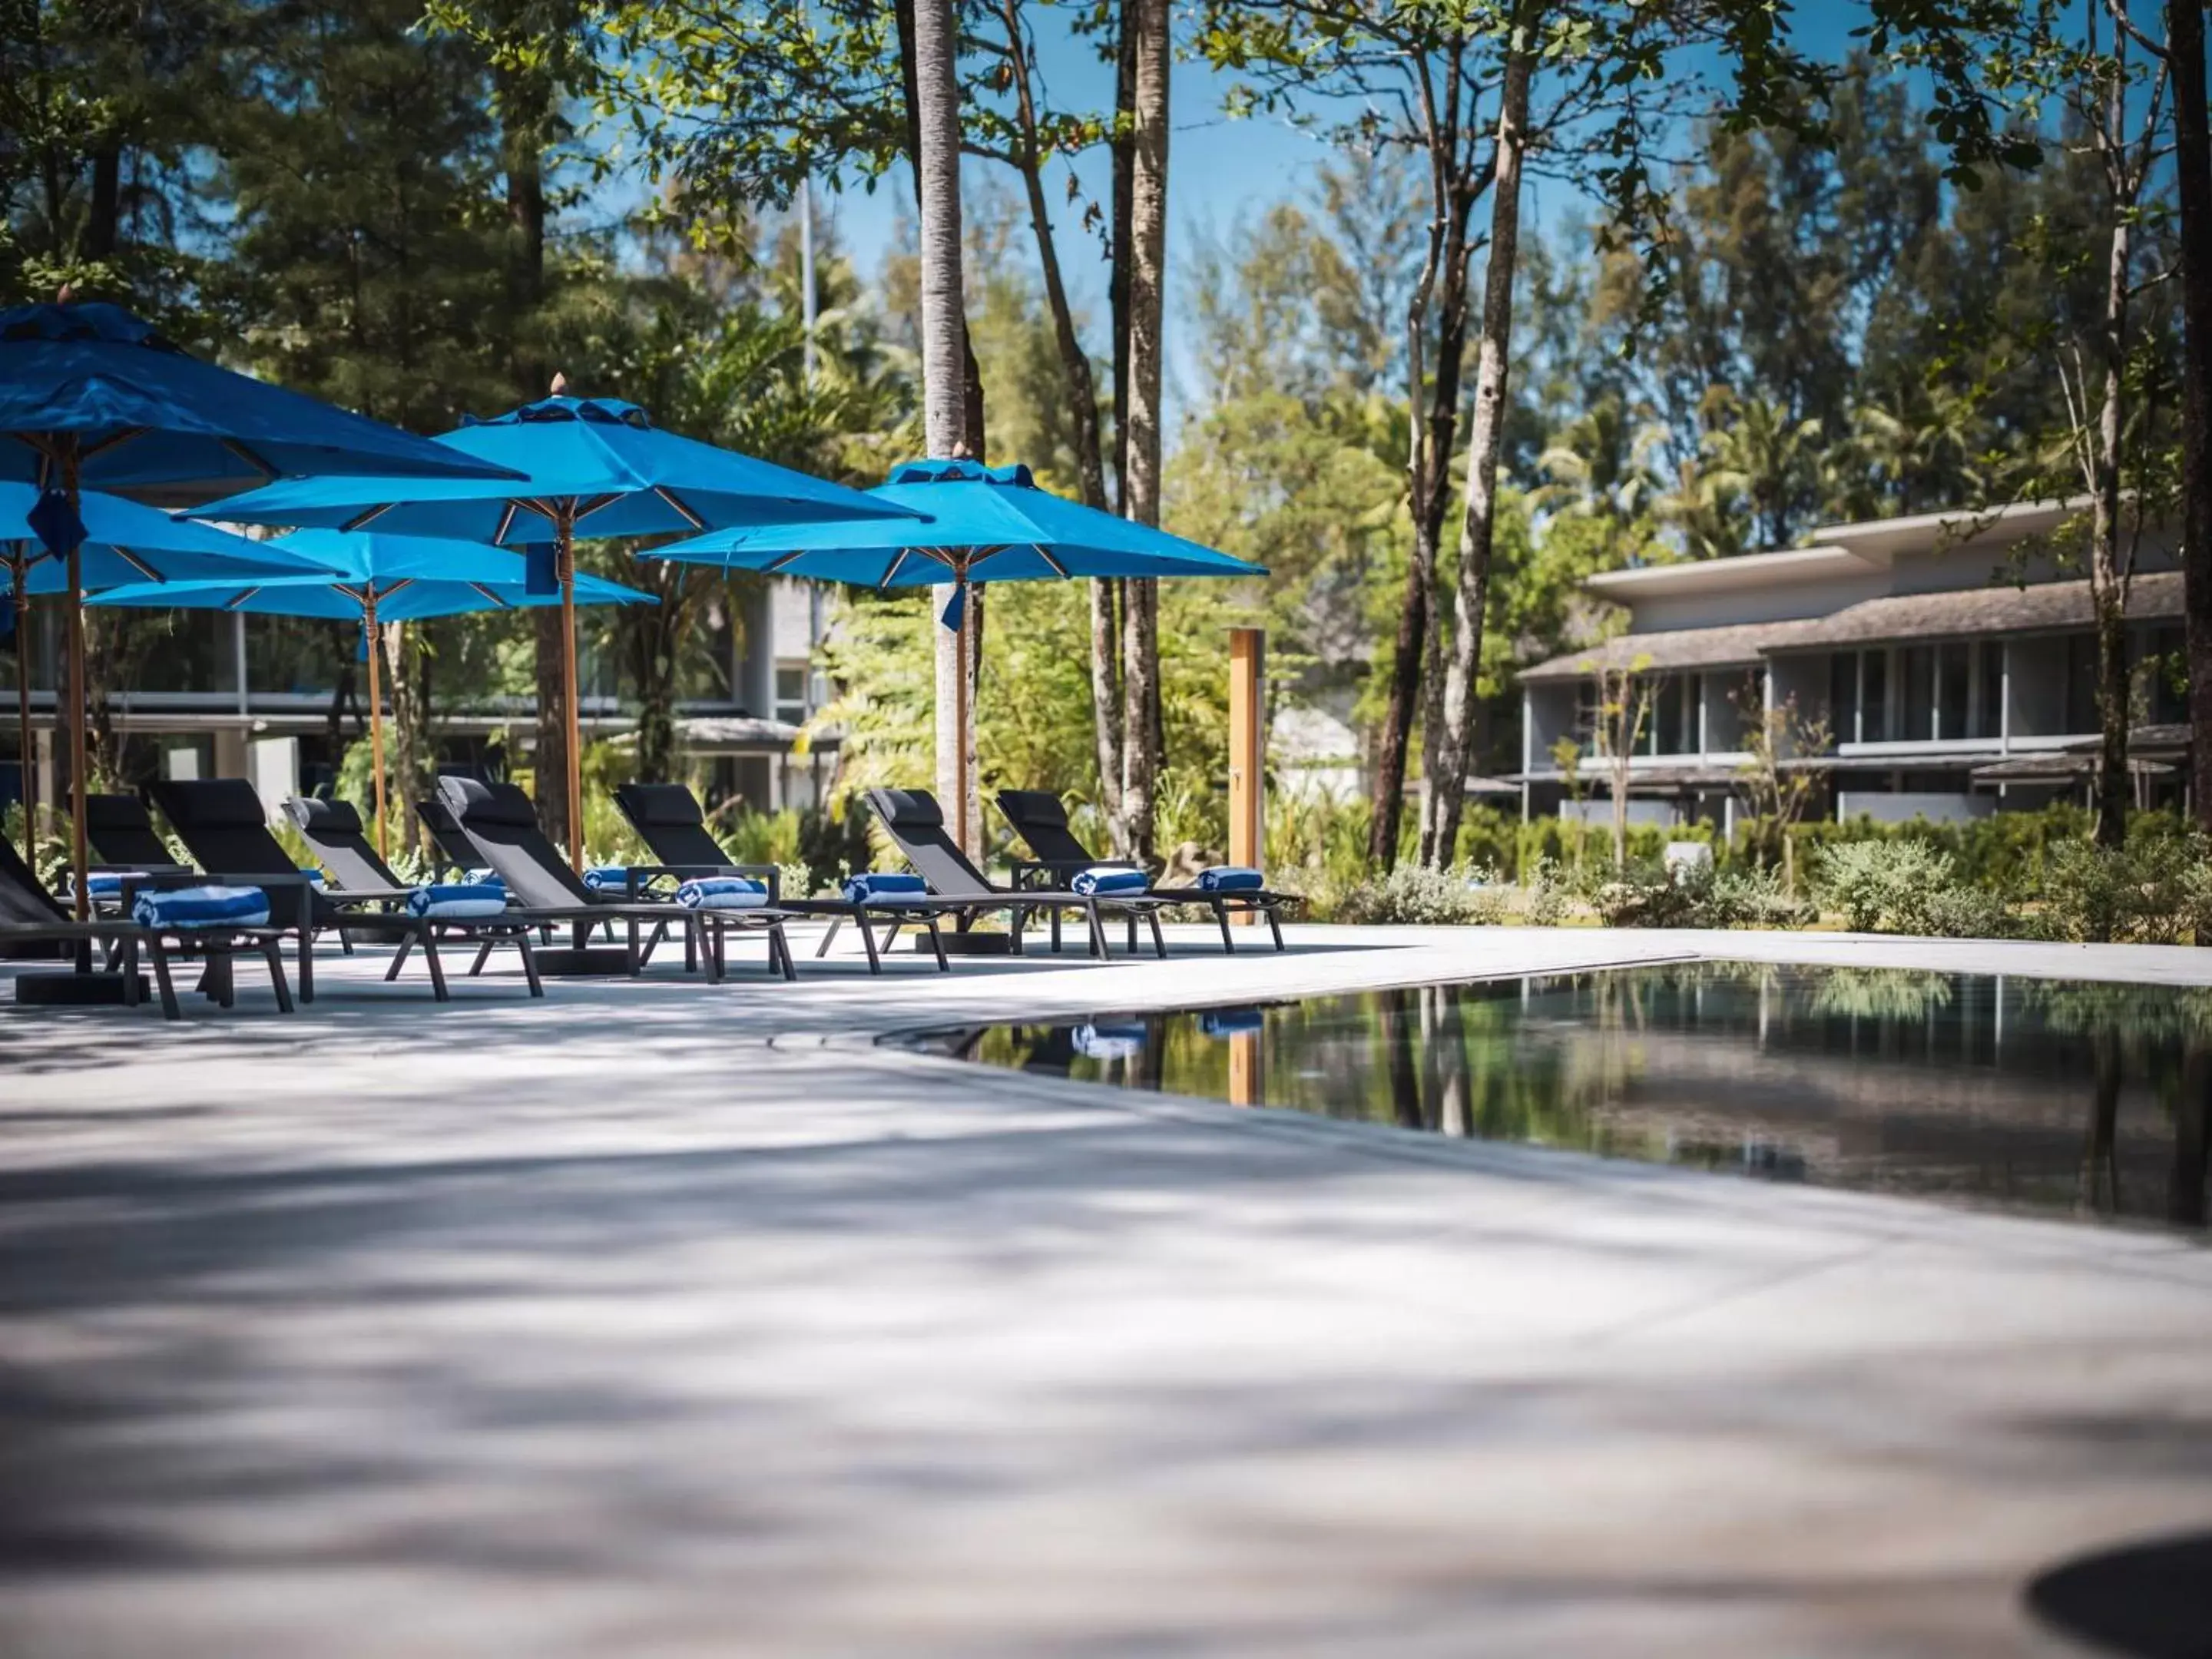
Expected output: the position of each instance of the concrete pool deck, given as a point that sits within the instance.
(661, 1319)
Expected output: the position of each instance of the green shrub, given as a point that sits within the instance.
(1411, 896)
(1907, 887)
(2154, 891)
(1657, 894)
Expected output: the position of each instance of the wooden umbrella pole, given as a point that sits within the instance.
(565, 558)
(368, 634)
(960, 718)
(80, 853)
(30, 772)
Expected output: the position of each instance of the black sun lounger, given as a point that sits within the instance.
(332, 830)
(456, 853)
(915, 824)
(502, 826)
(222, 825)
(28, 913)
(668, 819)
(1039, 818)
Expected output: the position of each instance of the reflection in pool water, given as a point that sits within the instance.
(2066, 1097)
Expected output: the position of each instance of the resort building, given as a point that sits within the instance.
(1949, 657)
(220, 695)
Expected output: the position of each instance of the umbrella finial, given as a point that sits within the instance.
(560, 384)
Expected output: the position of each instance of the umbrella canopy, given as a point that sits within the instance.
(373, 579)
(971, 522)
(595, 467)
(140, 415)
(126, 542)
(92, 397)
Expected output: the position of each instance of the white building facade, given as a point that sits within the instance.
(1953, 664)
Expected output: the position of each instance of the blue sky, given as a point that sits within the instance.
(1220, 171)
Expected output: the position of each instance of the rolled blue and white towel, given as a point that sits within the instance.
(1104, 880)
(1230, 879)
(722, 893)
(105, 883)
(871, 885)
(486, 876)
(608, 878)
(453, 901)
(316, 878)
(201, 907)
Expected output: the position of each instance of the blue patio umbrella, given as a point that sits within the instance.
(974, 523)
(93, 398)
(124, 542)
(373, 579)
(596, 467)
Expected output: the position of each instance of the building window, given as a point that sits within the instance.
(791, 693)
(1919, 706)
(1954, 686)
(2081, 683)
(1874, 696)
(1989, 700)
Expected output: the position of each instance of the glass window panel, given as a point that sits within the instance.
(1955, 671)
(1874, 696)
(1919, 710)
(1989, 717)
(1843, 695)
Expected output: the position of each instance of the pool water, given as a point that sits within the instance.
(2066, 1097)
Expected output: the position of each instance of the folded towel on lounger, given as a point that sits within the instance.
(202, 907)
(870, 885)
(1229, 878)
(722, 893)
(456, 901)
(487, 877)
(608, 878)
(1105, 879)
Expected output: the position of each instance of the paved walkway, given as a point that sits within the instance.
(655, 1319)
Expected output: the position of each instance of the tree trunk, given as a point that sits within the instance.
(103, 228)
(1090, 449)
(935, 111)
(1428, 468)
(1146, 257)
(1447, 793)
(525, 108)
(2192, 171)
(2108, 574)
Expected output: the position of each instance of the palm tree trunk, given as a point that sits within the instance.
(2192, 171)
(1454, 745)
(1146, 258)
(935, 109)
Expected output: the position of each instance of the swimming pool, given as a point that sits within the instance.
(2067, 1097)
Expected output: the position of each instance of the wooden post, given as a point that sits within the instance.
(564, 558)
(80, 854)
(1247, 750)
(1247, 1086)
